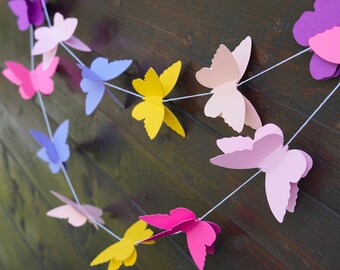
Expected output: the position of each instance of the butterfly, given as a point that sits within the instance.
(48, 38)
(28, 12)
(152, 109)
(226, 70)
(92, 84)
(200, 234)
(31, 82)
(283, 168)
(55, 151)
(76, 214)
(326, 45)
(124, 251)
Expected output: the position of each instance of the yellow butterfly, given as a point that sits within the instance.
(152, 109)
(125, 251)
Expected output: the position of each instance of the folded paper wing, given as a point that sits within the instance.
(283, 167)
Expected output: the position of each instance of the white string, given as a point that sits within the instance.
(48, 126)
(296, 133)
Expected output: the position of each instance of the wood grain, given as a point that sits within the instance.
(114, 165)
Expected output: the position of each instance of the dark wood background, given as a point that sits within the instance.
(114, 165)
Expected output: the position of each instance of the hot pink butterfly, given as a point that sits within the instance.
(76, 214)
(48, 38)
(327, 45)
(283, 168)
(201, 235)
(31, 82)
(226, 70)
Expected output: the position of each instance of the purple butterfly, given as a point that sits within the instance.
(28, 12)
(92, 84)
(55, 151)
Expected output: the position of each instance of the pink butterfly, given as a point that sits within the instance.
(327, 45)
(201, 235)
(266, 151)
(76, 214)
(223, 76)
(48, 38)
(31, 82)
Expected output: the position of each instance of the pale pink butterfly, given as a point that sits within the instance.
(76, 214)
(201, 235)
(31, 81)
(48, 38)
(226, 70)
(283, 168)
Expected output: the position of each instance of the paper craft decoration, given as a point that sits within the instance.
(226, 70)
(152, 110)
(56, 151)
(76, 214)
(100, 71)
(31, 82)
(48, 38)
(28, 12)
(200, 234)
(319, 29)
(283, 168)
(124, 251)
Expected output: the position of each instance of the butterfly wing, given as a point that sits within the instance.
(241, 55)
(68, 212)
(252, 119)
(172, 122)
(95, 91)
(60, 141)
(138, 231)
(36, 15)
(42, 78)
(150, 86)
(246, 153)
(64, 28)
(326, 45)
(87, 73)
(281, 177)
(20, 9)
(20, 75)
(93, 213)
(45, 40)
(169, 77)
(223, 69)
(198, 239)
(228, 103)
(77, 44)
(46, 143)
(109, 70)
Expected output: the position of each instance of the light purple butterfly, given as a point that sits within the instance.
(100, 71)
(28, 12)
(55, 151)
(283, 167)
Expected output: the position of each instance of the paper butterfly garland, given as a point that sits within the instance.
(152, 110)
(283, 167)
(76, 214)
(200, 235)
(56, 151)
(124, 251)
(92, 84)
(31, 82)
(226, 70)
(48, 38)
(319, 29)
(28, 12)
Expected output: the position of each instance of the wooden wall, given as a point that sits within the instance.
(114, 165)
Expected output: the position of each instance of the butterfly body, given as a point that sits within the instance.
(54, 151)
(151, 110)
(201, 235)
(223, 76)
(94, 78)
(283, 167)
(76, 214)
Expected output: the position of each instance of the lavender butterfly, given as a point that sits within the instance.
(100, 71)
(55, 151)
(28, 12)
